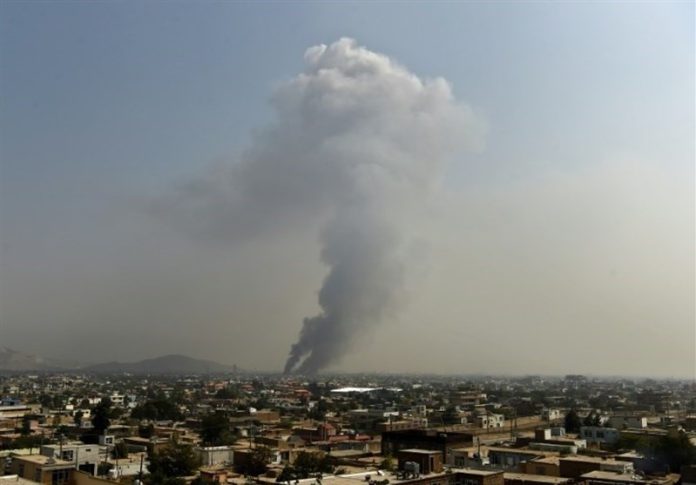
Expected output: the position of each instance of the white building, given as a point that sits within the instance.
(621, 422)
(215, 455)
(599, 434)
(490, 420)
(551, 414)
(84, 457)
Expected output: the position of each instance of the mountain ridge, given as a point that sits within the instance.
(17, 361)
(165, 364)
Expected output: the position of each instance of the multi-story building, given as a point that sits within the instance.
(43, 469)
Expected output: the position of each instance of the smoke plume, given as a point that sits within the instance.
(357, 149)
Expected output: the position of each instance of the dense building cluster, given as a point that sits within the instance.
(63, 429)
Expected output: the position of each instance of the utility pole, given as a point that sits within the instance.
(140, 474)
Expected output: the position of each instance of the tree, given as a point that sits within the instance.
(216, 430)
(119, 451)
(46, 401)
(172, 462)
(319, 410)
(257, 462)
(146, 431)
(228, 392)
(25, 430)
(387, 463)
(675, 450)
(101, 416)
(572, 422)
(287, 474)
(307, 464)
(158, 408)
(592, 419)
(77, 417)
(199, 480)
(451, 416)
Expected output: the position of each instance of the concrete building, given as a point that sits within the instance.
(429, 461)
(397, 425)
(610, 478)
(83, 457)
(529, 479)
(215, 455)
(575, 466)
(599, 435)
(551, 414)
(628, 421)
(490, 420)
(470, 476)
(547, 465)
(510, 458)
(42, 469)
(425, 439)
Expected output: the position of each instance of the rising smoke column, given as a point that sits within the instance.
(356, 149)
(390, 134)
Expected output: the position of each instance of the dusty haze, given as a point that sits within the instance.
(500, 194)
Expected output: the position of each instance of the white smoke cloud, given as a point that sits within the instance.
(356, 149)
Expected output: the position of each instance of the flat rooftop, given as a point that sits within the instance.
(15, 480)
(627, 477)
(362, 477)
(527, 477)
(474, 471)
(594, 459)
(44, 460)
(420, 452)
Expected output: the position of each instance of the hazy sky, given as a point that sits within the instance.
(561, 241)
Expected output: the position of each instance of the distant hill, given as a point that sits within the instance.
(15, 361)
(167, 364)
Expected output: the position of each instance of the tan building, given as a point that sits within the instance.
(429, 461)
(530, 479)
(576, 466)
(43, 469)
(610, 478)
(547, 465)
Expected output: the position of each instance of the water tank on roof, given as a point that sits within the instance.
(412, 467)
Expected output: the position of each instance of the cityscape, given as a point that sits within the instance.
(241, 428)
(345, 242)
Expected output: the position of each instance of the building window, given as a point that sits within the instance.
(59, 477)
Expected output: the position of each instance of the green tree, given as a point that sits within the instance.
(257, 462)
(216, 430)
(307, 464)
(46, 401)
(146, 431)
(119, 451)
(101, 416)
(158, 408)
(228, 392)
(172, 462)
(319, 410)
(572, 422)
(77, 417)
(387, 463)
(675, 450)
(199, 480)
(592, 419)
(25, 430)
(286, 475)
(451, 416)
